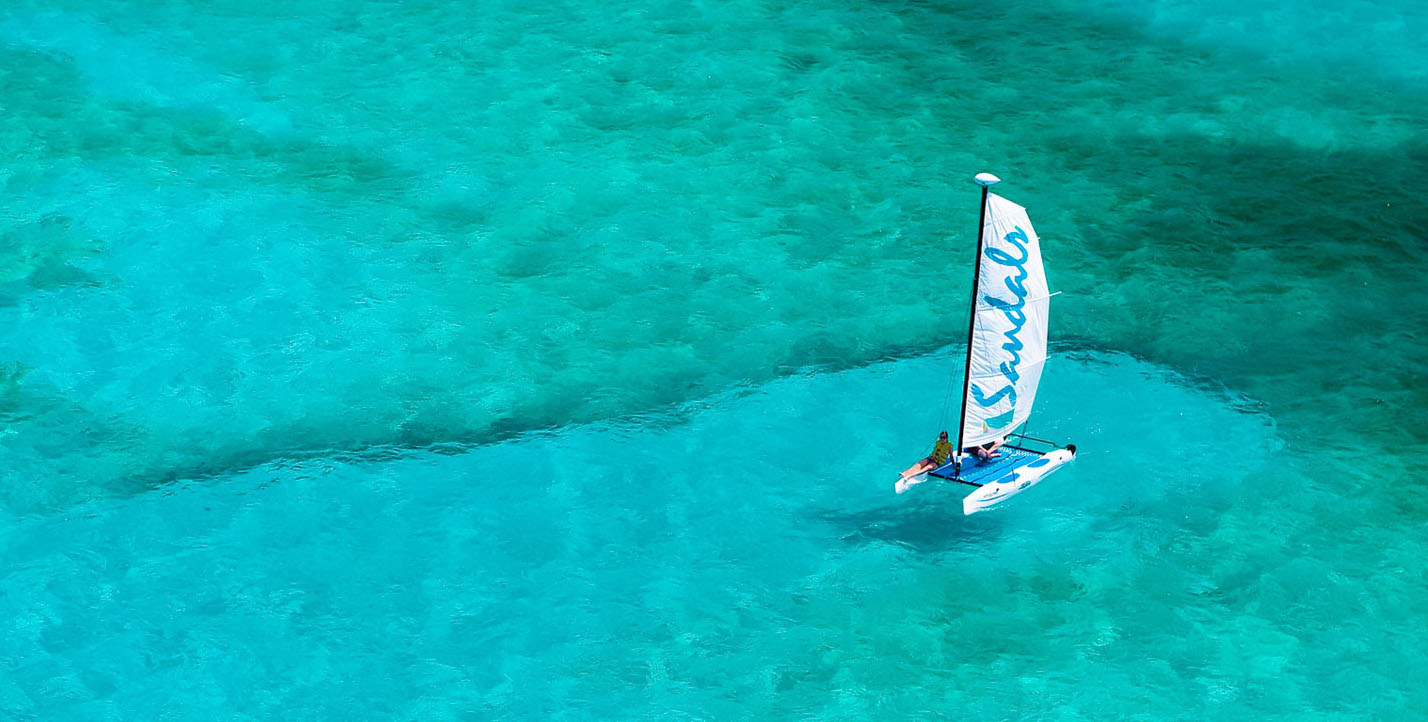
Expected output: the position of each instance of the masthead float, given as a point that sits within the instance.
(1006, 348)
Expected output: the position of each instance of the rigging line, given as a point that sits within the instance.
(947, 405)
(942, 419)
(947, 402)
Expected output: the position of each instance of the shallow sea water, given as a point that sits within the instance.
(439, 361)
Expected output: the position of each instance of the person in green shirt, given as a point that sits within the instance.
(941, 452)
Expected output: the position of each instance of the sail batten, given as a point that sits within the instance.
(986, 308)
(1025, 367)
(1008, 341)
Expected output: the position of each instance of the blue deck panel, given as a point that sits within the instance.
(979, 472)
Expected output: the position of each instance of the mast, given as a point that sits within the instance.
(986, 181)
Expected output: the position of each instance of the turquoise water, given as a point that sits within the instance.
(438, 361)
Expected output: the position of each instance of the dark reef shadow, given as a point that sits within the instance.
(931, 525)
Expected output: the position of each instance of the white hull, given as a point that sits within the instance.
(1015, 482)
(903, 485)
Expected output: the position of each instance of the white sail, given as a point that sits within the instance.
(1009, 333)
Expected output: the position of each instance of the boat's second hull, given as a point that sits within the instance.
(1016, 481)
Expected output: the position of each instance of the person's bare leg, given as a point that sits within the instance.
(910, 477)
(918, 468)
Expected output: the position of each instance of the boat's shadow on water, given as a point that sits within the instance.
(931, 526)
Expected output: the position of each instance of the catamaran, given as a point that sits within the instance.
(1006, 348)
